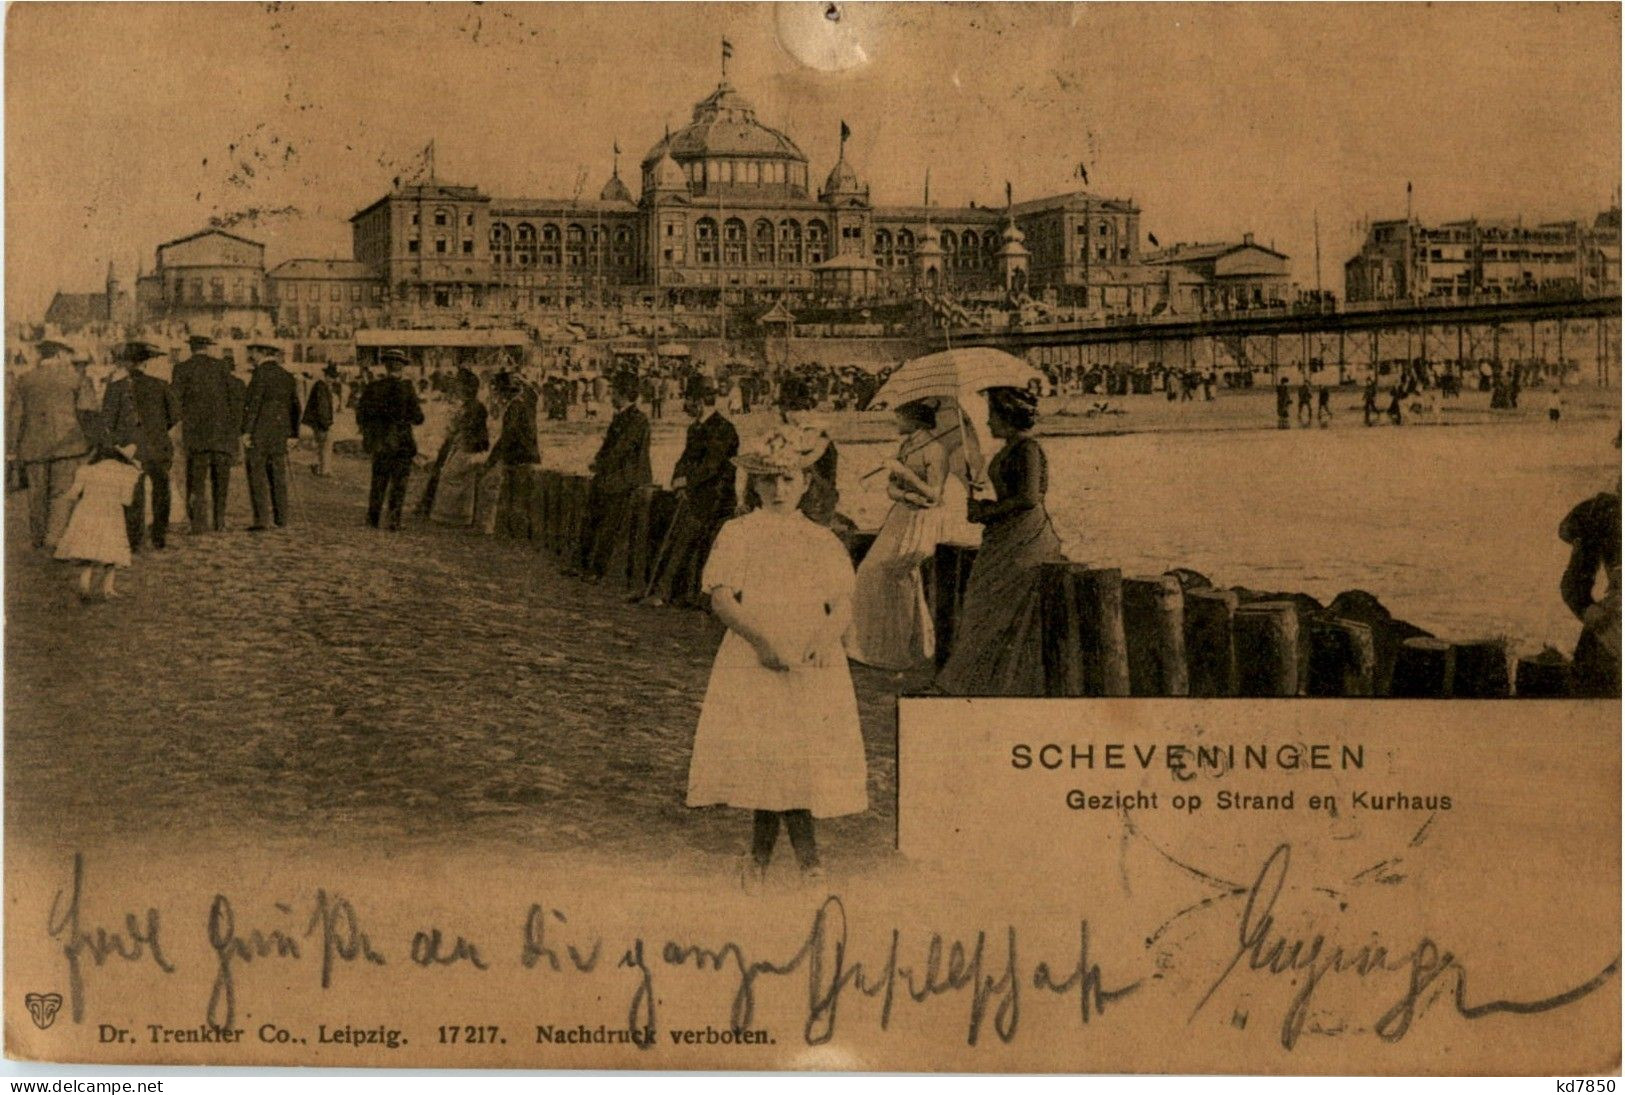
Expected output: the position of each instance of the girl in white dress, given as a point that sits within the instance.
(96, 534)
(779, 732)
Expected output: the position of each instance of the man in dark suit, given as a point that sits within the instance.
(386, 412)
(203, 388)
(704, 482)
(319, 417)
(270, 423)
(620, 469)
(140, 410)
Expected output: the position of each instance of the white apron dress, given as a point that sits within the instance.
(773, 739)
(96, 531)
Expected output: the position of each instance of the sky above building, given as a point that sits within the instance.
(130, 124)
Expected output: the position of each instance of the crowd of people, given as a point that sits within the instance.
(756, 534)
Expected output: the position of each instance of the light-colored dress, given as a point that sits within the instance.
(465, 464)
(96, 532)
(891, 622)
(780, 739)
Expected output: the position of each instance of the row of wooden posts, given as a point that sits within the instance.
(1103, 634)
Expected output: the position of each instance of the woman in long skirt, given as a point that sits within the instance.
(891, 622)
(997, 648)
(468, 439)
(779, 733)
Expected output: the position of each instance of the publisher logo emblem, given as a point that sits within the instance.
(43, 1006)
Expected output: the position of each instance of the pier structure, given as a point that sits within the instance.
(1541, 328)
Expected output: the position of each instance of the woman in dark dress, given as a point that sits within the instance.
(996, 642)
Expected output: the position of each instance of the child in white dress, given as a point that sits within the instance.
(779, 731)
(96, 534)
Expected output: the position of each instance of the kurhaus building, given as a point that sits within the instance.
(727, 212)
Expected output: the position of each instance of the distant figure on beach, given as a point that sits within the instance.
(140, 410)
(704, 483)
(318, 417)
(1283, 404)
(891, 622)
(270, 424)
(515, 403)
(1396, 399)
(620, 470)
(386, 412)
(461, 458)
(996, 648)
(1306, 410)
(1592, 531)
(43, 435)
(779, 733)
(1370, 406)
(202, 386)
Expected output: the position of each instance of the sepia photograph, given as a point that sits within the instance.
(533, 530)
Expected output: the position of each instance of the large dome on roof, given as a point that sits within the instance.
(725, 124)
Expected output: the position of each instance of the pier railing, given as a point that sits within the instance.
(1103, 633)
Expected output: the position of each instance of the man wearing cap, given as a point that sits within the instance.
(43, 433)
(203, 387)
(704, 482)
(619, 471)
(140, 410)
(386, 412)
(270, 424)
(319, 417)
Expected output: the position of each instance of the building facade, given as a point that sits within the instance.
(727, 214)
(1405, 260)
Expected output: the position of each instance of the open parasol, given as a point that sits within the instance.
(957, 379)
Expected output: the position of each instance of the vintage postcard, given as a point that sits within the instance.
(983, 537)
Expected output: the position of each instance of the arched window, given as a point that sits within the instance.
(817, 242)
(970, 250)
(950, 250)
(623, 237)
(762, 243)
(705, 241)
(905, 246)
(790, 242)
(551, 253)
(575, 245)
(524, 251)
(501, 244)
(883, 253)
(733, 242)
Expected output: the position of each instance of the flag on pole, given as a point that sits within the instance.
(846, 131)
(1152, 236)
(617, 147)
(1083, 173)
(1007, 193)
(727, 54)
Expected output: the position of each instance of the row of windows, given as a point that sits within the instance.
(442, 246)
(444, 218)
(196, 291)
(739, 172)
(289, 290)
